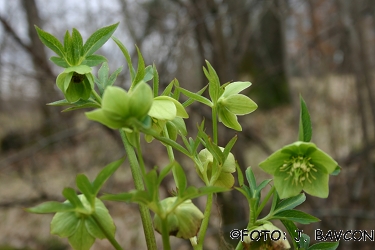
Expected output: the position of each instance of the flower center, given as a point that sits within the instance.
(300, 169)
(77, 78)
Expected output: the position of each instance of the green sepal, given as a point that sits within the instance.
(81, 239)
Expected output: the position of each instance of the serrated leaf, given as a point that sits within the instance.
(77, 45)
(127, 57)
(68, 47)
(71, 195)
(50, 41)
(325, 246)
(105, 173)
(97, 39)
(296, 216)
(84, 185)
(59, 61)
(140, 69)
(290, 203)
(179, 178)
(292, 230)
(305, 129)
(239, 175)
(51, 207)
(195, 97)
(94, 60)
(214, 85)
(165, 171)
(168, 90)
(191, 100)
(155, 82)
(251, 180)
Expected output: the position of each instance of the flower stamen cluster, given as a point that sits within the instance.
(299, 167)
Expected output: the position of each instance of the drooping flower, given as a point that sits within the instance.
(76, 83)
(120, 108)
(183, 221)
(225, 178)
(300, 166)
(231, 104)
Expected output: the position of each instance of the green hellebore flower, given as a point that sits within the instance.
(120, 108)
(183, 222)
(300, 166)
(167, 111)
(81, 229)
(231, 104)
(225, 178)
(76, 83)
(259, 241)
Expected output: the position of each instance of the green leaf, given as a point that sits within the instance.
(263, 184)
(84, 185)
(305, 129)
(214, 85)
(239, 175)
(229, 146)
(195, 97)
(81, 239)
(94, 60)
(168, 90)
(304, 242)
(59, 61)
(251, 180)
(292, 230)
(149, 73)
(105, 173)
(290, 203)
(191, 100)
(155, 82)
(295, 216)
(59, 103)
(179, 178)
(165, 171)
(97, 39)
(71, 195)
(176, 94)
(77, 45)
(325, 246)
(140, 69)
(51, 207)
(127, 57)
(87, 104)
(68, 47)
(140, 196)
(50, 41)
(275, 201)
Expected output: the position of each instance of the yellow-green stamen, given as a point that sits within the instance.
(300, 169)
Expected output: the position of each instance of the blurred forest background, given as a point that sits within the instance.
(322, 49)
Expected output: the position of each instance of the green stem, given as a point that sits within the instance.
(138, 183)
(204, 225)
(96, 96)
(165, 235)
(139, 153)
(264, 202)
(214, 124)
(169, 148)
(107, 234)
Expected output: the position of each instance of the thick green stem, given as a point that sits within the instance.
(107, 234)
(138, 183)
(96, 96)
(204, 225)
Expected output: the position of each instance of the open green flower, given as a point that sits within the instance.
(120, 108)
(231, 104)
(300, 166)
(76, 83)
(183, 221)
(225, 178)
